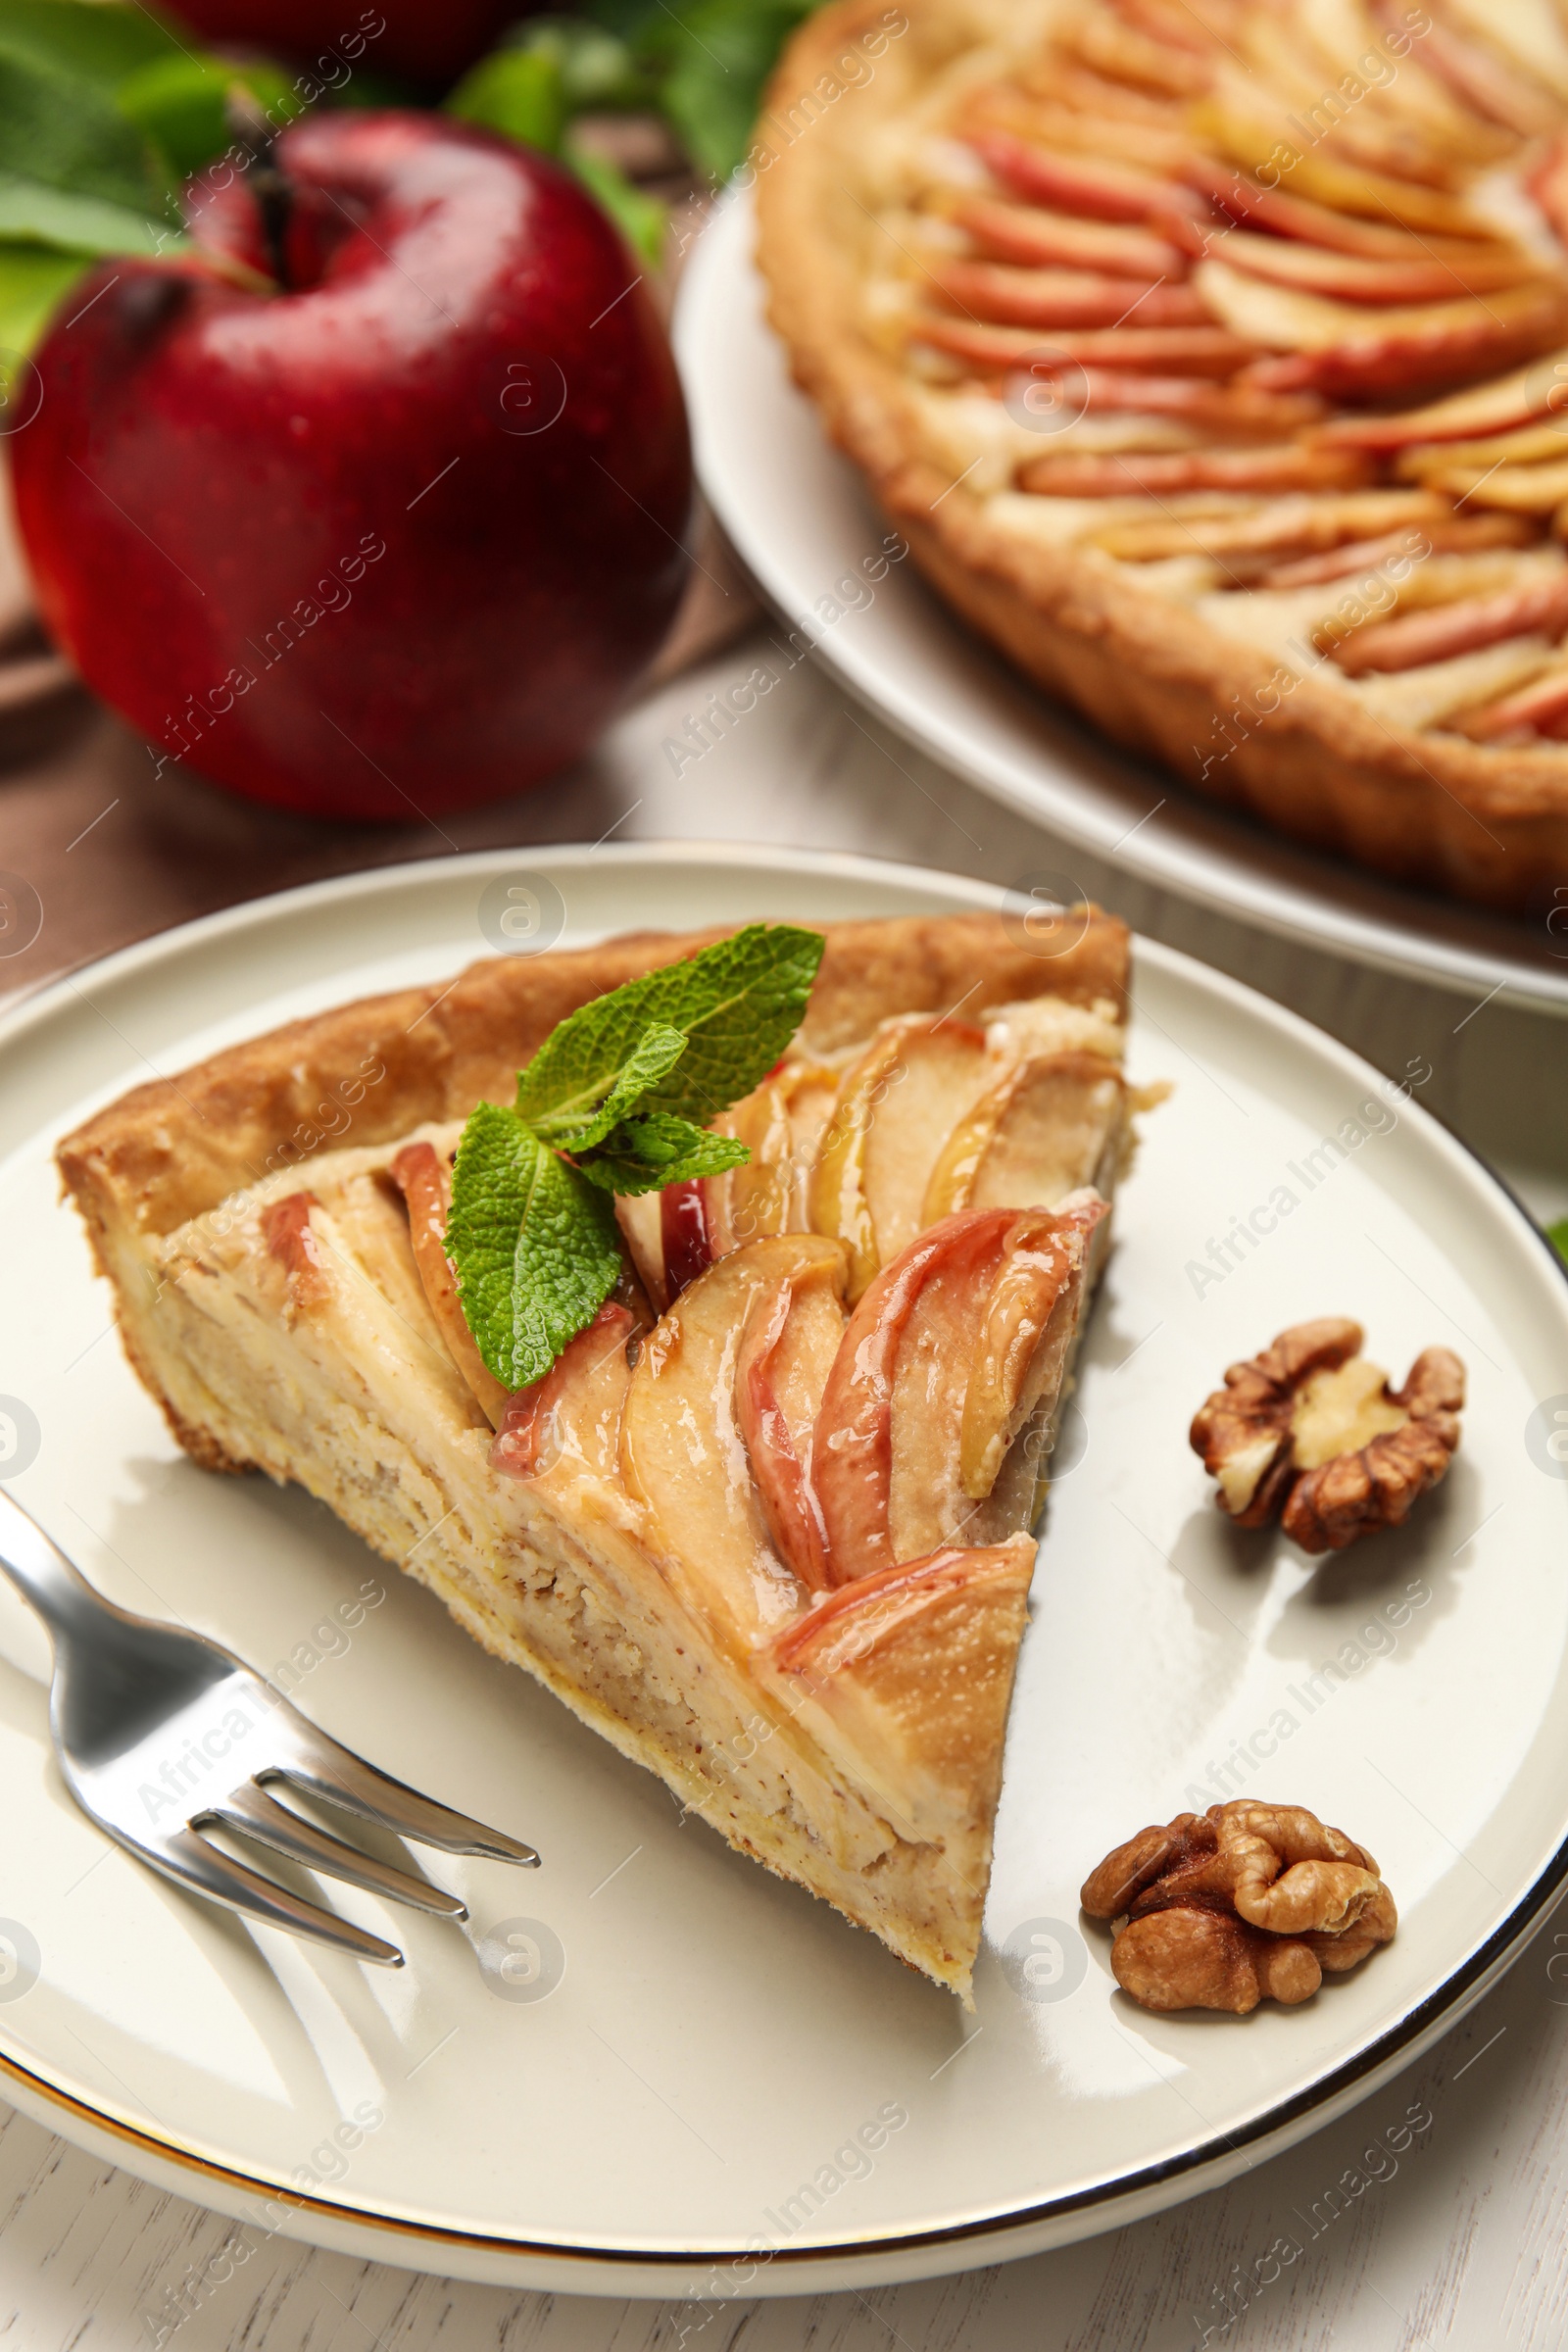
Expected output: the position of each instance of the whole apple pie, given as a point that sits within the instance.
(1212, 356)
(693, 1316)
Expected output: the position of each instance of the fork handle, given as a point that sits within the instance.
(40, 1570)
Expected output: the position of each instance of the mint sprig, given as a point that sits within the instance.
(737, 1004)
(616, 1099)
(537, 1247)
(645, 1153)
(569, 1108)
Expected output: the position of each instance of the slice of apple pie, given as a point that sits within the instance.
(760, 1513)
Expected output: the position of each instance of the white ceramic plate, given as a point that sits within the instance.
(708, 2073)
(802, 519)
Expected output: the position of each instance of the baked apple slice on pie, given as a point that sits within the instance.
(1213, 357)
(693, 1320)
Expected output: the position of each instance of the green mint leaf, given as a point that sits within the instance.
(536, 1247)
(583, 1118)
(1557, 1236)
(626, 1085)
(657, 1148)
(739, 1002)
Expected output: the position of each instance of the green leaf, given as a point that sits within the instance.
(626, 1084)
(536, 1247)
(597, 68)
(180, 103)
(1557, 1236)
(739, 1002)
(81, 224)
(367, 87)
(717, 74)
(643, 220)
(99, 41)
(630, 20)
(548, 71)
(519, 92)
(586, 1116)
(33, 278)
(710, 60)
(75, 171)
(645, 1152)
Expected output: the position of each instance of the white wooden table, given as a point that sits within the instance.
(1459, 2241)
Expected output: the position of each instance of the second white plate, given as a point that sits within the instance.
(803, 521)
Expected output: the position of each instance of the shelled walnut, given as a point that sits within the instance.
(1219, 1910)
(1311, 1432)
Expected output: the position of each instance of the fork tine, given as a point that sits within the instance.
(341, 1778)
(191, 1862)
(253, 1812)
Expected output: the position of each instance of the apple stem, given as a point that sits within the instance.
(271, 184)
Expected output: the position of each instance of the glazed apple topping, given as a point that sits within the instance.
(912, 1084)
(1186, 279)
(691, 1432)
(946, 1358)
(1054, 1122)
(574, 1412)
(1018, 1110)
(778, 1451)
(863, 1322)
(292, 1243)
(792, 1335)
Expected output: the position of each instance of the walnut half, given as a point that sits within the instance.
(1311, 1432)
(1220, 1909)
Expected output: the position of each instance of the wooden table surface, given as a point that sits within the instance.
(1460, 2243)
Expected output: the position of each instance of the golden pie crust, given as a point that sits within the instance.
(844, 193)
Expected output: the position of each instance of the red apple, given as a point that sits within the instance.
(393, 540)
(426, 43)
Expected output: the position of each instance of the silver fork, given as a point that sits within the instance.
(160, 1732)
